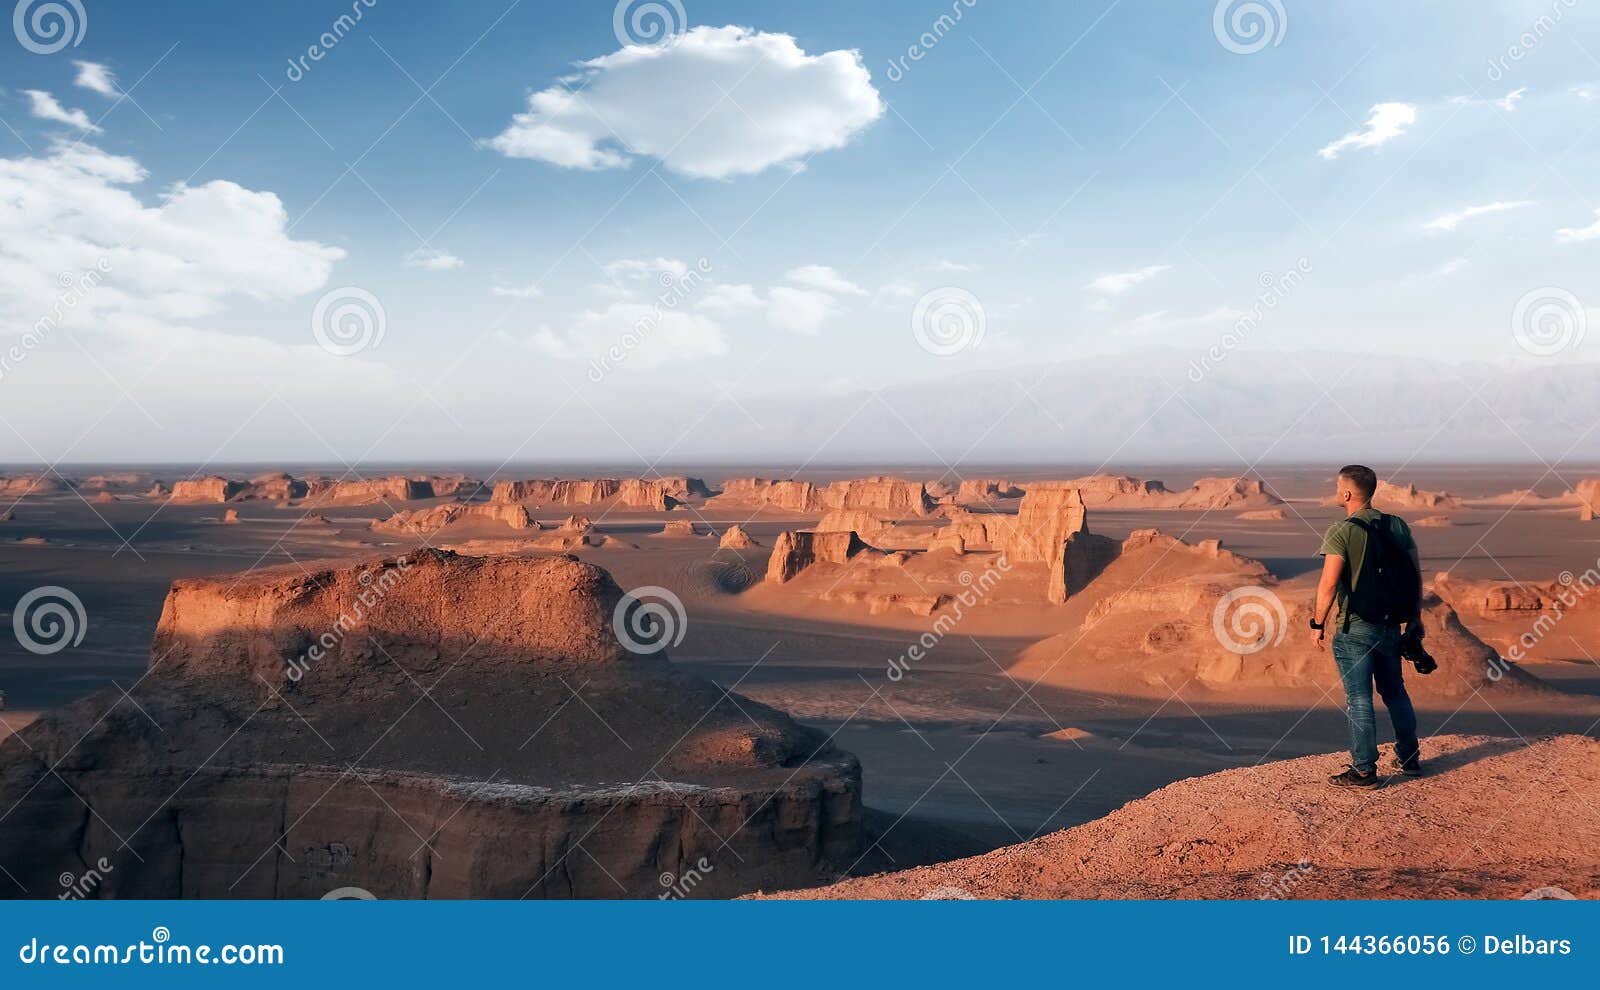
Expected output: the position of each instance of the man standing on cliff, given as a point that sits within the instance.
(1371, 571)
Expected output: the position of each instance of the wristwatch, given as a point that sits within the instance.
(1318, 625)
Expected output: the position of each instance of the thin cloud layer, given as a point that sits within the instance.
(715, 102)
(1450, 221)
(1576, 235)
(97, 78)
(1116, 283)
(1385, 122)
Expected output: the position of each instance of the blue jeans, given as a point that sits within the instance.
(1369, 655)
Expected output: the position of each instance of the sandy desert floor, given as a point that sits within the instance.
(960, 755)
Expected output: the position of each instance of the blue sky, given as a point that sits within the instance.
(1072, 178)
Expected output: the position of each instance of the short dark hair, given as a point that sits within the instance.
(1362, 478)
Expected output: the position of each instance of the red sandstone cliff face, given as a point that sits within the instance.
(654, 494)
(446, 520)
(793, 552)
(1571, 592)
(986, 489)
(213, 489)
(1399, 498)
(370, 491)
(888, 497)
(1588, 493)
(408, 726)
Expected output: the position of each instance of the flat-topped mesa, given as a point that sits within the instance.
(1226, 493)
(426, 523)
(893, 497)
(790, 496)
(448, 681)
(1114, 490)
(794, 551)
(276, 487)
(1568, 593)
(1392, 498)
(212, 489)
(16, 486)
(986, 490)
(1126, 492)
(369, 491)
(349, 621)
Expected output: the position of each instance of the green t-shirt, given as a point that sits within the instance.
(1345, 539)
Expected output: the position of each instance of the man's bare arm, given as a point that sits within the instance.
(1332, 570)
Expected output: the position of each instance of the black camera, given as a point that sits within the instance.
(1411, 648)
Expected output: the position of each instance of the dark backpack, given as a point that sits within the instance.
(1387, 589)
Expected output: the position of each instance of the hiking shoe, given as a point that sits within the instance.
(1351, 778)
(1412, 769)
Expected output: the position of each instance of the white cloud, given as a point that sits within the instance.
(144, 280)
(1385, 122)
(715, 102)
(801, 311)
(645, 335)
(1117, 283)
(96, 77)
(824, 278)
(730, 300)
(1163, 322)
(1508, 102)
(1587, 92)
(433, 260)
(662, 271)
(1574, 235)
(517, 291)
(47, 107)
(894, 293)
(946, 265)
(1450, 221)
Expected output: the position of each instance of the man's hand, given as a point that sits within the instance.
(1318, 637)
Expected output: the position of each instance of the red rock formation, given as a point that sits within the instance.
(735, 538)
(289, 710)
(1397, 498)
(212, 489)
(447, 519)
(1569, 592)
(231, 517)
(370, 491)
(793, 552)
(986, 489)
(17, 486)
(1264, 515)
(1432, 522)
(678, 527)
(1264, 832)
(884, 496)
(850, 520)
(1588, 493)
(275, 487)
